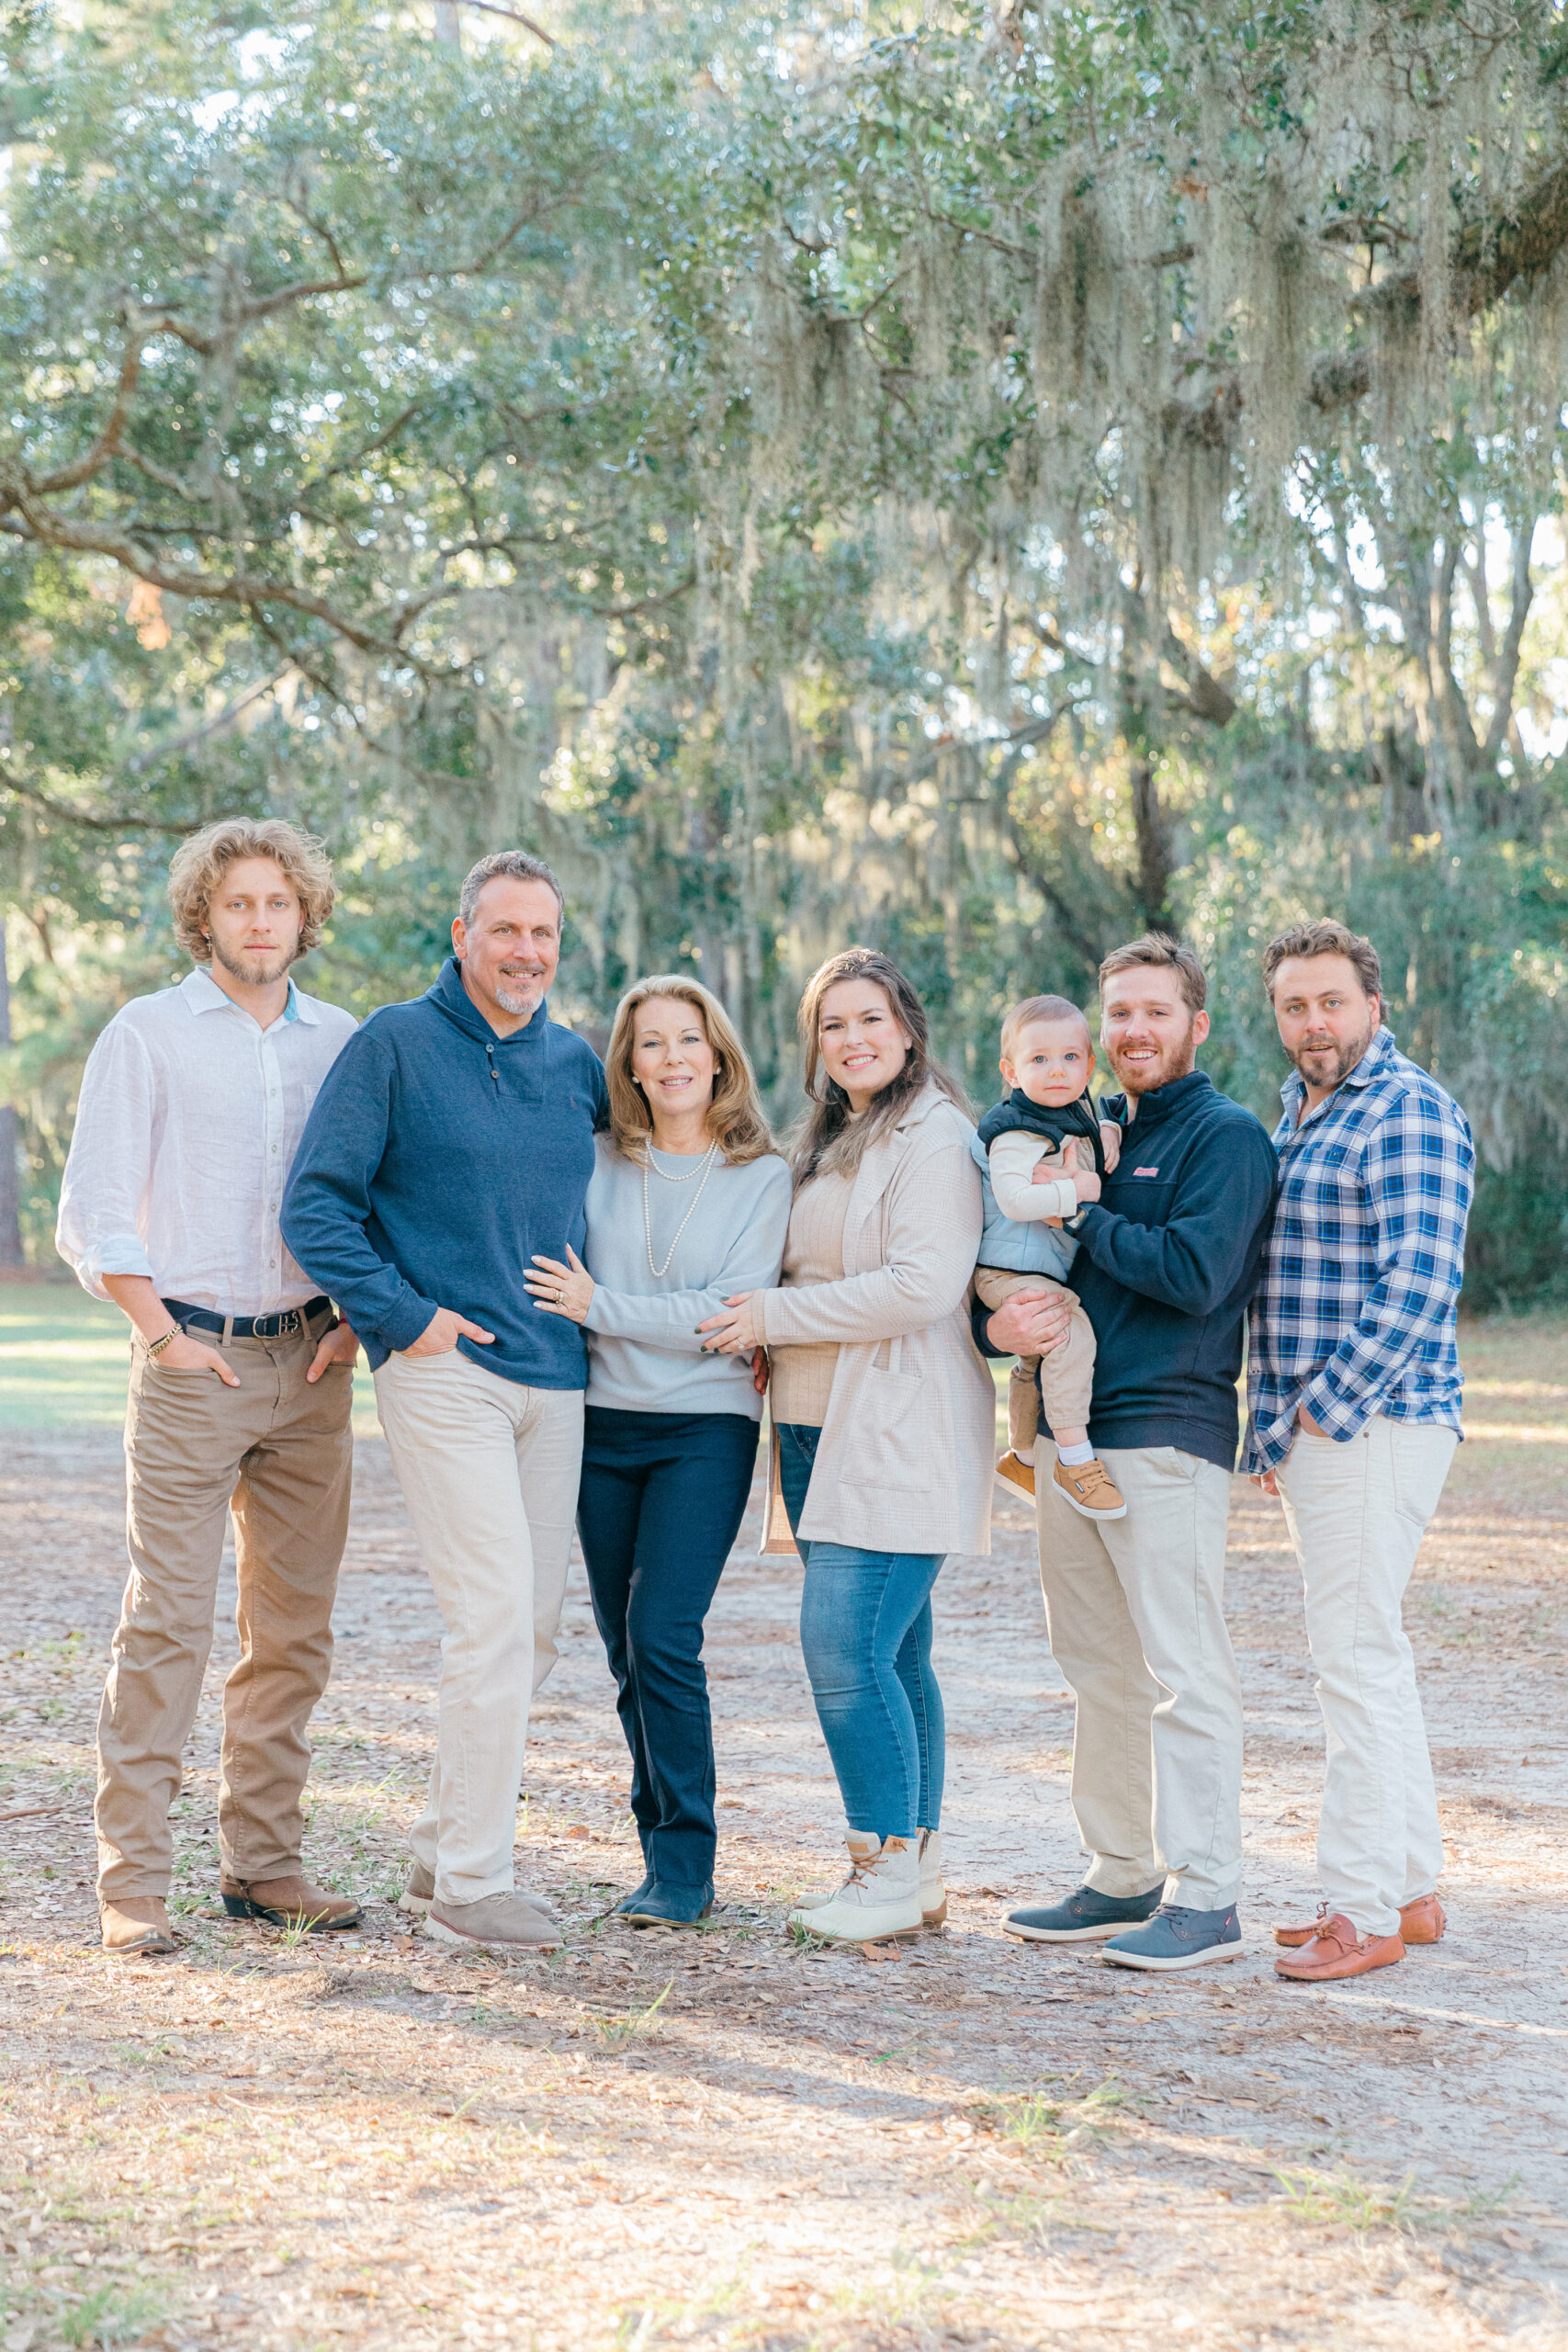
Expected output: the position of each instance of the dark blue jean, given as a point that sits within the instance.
(661, 1501)
(865, 1633)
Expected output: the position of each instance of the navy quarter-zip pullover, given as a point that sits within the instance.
(438, 1158)
(1168, 1258)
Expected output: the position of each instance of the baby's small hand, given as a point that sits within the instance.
(1110, 1143)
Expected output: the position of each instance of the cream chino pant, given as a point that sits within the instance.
(1134, 1612)
(489, 1471)
(1356, 1512)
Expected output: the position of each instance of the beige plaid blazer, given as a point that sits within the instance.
(907, 1453)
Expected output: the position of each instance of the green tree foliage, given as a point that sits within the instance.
(980, 479)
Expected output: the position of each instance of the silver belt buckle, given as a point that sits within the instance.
(290, 1325)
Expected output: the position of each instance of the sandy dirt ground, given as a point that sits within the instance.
(721, 2139)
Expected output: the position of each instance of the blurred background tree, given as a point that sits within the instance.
(976, 478)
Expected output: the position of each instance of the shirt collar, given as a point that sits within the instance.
(202, 993)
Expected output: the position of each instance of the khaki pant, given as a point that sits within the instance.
(1357, 1512)
(1067, 1374)
(1134, 1612)
(489, 1473)
(278, 1454)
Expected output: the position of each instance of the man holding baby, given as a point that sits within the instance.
(1171, 1232)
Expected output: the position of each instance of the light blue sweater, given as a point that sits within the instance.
(644, 1355)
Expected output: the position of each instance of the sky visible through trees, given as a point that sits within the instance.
(978, 480)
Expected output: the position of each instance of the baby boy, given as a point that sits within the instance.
(1043, 1152)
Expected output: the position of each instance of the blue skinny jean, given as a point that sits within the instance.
(661, 1501)
(865, 1633)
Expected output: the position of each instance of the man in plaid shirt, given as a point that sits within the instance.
(1354, 1391)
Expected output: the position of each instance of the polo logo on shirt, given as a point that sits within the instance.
(1145, 1172)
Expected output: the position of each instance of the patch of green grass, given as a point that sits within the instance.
(1342, 2198)
(111, 2314)
(619, 2033)
(1045, 2123)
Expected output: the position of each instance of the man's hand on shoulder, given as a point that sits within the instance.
(444, 1331)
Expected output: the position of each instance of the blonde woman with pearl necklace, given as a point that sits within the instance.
(688, 1206)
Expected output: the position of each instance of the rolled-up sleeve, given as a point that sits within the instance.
(108, 1171)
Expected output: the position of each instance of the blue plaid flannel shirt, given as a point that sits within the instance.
(1356, 1308)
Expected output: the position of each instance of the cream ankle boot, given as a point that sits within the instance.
(933, 1894)
(880, 1897)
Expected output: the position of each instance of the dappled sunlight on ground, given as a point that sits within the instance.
(723, 2139)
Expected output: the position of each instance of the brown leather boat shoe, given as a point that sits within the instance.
(289, 1903)
(1337, 1951)
(137, 1927)
(1421, 1922)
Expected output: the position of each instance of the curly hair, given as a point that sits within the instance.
(735, 1116)
(199, 865)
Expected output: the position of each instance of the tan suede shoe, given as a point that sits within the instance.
(137, 1927)
(1337, 1951)
(505, 1922)
(1089, 1489)
(289, 1903)
(1421, 1922)
(1017, 1476)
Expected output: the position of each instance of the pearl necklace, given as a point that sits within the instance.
(657, 1271)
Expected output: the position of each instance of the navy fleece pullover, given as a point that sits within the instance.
(1168, 1260)
(437, 1160)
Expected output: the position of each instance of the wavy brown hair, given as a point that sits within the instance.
(198, 866)
(735, 1115)
(827, 1141)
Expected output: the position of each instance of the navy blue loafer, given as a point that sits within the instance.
(668, 1906)
(1084, 1918)
(1179, 1937)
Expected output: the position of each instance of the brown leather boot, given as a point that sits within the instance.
(1421, 1922)
(136, 1927)
(1337, 1951)
(289, 1903)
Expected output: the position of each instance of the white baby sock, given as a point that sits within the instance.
(1073, 1457)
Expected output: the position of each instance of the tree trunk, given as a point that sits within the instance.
(449, 23)
(1156, 859)
(10, 1136)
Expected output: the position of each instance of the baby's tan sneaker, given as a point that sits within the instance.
(1016, 1476)
(1089, 1488)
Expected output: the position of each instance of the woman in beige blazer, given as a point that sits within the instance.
(884, 1416)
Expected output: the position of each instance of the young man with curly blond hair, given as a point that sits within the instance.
(192, 1106)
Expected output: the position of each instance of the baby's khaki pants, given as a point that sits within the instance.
(1067, 1374)
(278, 1450)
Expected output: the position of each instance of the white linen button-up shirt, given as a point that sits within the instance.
(189, 1118)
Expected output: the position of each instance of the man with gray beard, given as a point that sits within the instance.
(454, 1142)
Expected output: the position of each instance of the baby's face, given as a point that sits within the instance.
(1051, 1061)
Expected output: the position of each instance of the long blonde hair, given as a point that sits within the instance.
(735, 1115)
(827, 1141)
